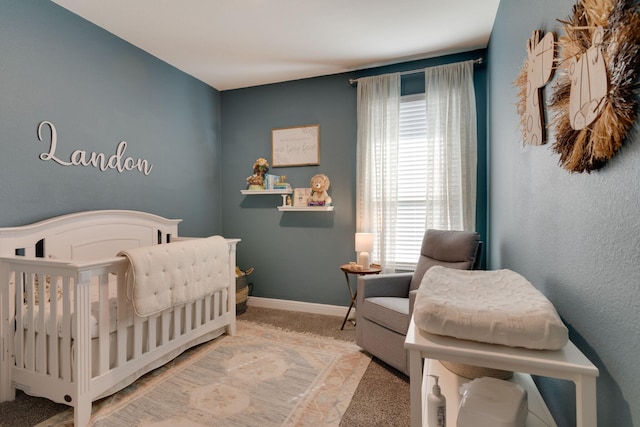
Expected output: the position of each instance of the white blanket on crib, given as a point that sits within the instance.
(165, 275)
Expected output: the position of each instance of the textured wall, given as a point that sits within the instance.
(99, 90)
(573, 235)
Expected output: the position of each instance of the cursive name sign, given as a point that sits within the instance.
(100, 161)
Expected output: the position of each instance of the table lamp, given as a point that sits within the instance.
(364, 245)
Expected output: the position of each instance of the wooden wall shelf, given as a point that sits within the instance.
(285, 207)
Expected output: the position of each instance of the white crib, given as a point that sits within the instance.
(62, 276)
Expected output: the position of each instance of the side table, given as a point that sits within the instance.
(349, 269)
(568, 363)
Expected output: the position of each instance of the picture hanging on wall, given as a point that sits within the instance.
(594, 101)
(296, 146)
(536, 72)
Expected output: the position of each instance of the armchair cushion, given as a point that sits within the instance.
(390, 312)
(383, 299)
(452, 249)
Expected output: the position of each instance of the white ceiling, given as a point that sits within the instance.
(231, 44)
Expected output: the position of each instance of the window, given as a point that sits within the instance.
(412, 190)
(416, 161)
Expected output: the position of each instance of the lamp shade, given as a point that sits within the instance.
(364, 242)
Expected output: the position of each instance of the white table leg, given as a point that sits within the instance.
(415, 387)
(586, 403)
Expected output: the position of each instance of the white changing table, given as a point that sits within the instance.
(568, 363)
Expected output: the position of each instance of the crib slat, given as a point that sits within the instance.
(198, 316)
(137, 337)
(7, 306)
(21, 286)
(65, 334)
(40, 338)
(216, 305)
(166, 321)
(177, 323)
(188, 320)
(121, 316)
(53, 353)
(152, 333)
(104, 317)
(30, 356)
(226, 305)
(207, 308)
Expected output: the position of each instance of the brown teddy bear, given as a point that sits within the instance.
(319, 185)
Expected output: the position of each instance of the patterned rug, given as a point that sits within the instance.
(262, 376)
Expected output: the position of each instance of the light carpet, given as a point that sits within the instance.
(262, 376)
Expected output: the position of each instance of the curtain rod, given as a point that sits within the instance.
(353, 82)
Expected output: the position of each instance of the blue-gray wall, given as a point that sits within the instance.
(99, 90)
(296, 255)
(575, 236)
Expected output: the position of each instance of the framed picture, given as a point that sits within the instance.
(301, 196)
(295, 146)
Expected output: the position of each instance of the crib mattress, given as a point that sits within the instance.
(94, 312)
(93, 325)
(497, 307)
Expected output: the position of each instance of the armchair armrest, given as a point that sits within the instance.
(384, 285)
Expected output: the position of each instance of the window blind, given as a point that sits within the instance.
(413, 149)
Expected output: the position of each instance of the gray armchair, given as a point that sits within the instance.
(385, 302)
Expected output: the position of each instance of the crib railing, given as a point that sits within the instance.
(47, 328)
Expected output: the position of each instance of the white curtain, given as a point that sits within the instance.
(377, 154)
(451, 132)
(450, 170)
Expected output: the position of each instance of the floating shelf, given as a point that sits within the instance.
(306, 208)
(285, 207)
(261, 192)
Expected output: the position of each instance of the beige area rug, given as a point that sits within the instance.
(262, 376)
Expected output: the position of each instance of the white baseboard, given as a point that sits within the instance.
(307, 307)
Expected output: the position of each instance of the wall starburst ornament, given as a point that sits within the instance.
(594, 101)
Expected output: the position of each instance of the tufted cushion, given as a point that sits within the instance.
(497, 307)
(162, 276)
(453, 249)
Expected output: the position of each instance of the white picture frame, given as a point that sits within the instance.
(301, 197)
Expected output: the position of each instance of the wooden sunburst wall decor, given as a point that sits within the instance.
(594, 100)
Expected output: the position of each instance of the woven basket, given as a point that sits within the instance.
(242, 294)
(473, 372)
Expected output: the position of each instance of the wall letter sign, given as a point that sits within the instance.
(100, 161)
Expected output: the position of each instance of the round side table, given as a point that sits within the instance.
(353, 293)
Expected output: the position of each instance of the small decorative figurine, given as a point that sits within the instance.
(319, 185)
(260, 168)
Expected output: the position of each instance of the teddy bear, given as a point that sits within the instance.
(319, 185)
